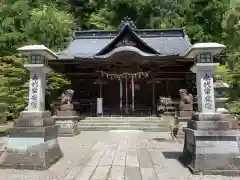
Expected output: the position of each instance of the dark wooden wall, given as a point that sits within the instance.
(169, 78)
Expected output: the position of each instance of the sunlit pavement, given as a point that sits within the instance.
(115, 155)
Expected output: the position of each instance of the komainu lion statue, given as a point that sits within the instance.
(66, 100)
(186, 102)
(66, 97)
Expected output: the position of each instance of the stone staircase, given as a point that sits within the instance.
(148, 124)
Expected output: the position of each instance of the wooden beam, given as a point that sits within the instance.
(156, 79)
(185, 60)
(169, 78)
(99, 74)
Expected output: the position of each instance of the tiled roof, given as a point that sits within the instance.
(166, 42)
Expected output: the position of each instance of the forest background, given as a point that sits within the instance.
(52, 22)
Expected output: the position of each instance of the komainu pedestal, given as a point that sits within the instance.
(66, 117)
(212, 145)
(32, 143)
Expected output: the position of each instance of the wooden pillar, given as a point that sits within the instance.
(167, 85)
(100, 89)
(121, 93)
(126, 88)
(153, 95)
(153, 99)
(133, 93)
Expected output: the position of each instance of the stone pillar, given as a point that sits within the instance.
(37, 86)
(212, 141)
(32, 143)
(205, 88)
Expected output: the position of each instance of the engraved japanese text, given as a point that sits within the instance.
(207, 88)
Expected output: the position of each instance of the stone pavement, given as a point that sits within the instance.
(115, 156)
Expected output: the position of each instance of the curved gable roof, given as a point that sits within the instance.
(94, 43)
(127, 37)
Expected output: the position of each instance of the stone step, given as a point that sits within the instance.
(151, 124)
(124, 118)
(109, 128)
(123, 124)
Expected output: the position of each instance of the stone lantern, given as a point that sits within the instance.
(220, 89)
(211, 144)
(32, 142)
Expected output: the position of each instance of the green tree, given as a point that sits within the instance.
(203, 20)
(26, 22)
(13, 91)
(14, 86)
(49, 26)
(145, 13)
(231, 26)
(13, 16)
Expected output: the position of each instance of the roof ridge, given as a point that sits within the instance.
(142, 32)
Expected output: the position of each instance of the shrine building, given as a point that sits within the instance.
(125, 72)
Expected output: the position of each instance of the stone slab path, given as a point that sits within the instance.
(115, 156)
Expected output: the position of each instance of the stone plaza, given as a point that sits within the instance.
(115, 156)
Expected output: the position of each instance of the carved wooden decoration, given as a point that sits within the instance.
(125, 42)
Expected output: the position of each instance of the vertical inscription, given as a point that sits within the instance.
(207, 80)
(34, 91)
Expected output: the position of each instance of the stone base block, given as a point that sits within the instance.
(212, 152)
(186, 107)
(66, 107)
(206, 116)
(185, 113)
(66, 113)
(32, 143)
(34, 119)
(68, 125)
(213, 125)
(36, 157)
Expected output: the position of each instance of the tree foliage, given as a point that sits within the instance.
(13, 92)
(231, 25)
(26, 22)
(49, 26)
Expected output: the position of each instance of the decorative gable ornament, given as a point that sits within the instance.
(125, 42)
(127, 21)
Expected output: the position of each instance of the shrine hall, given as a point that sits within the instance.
(125, 70)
